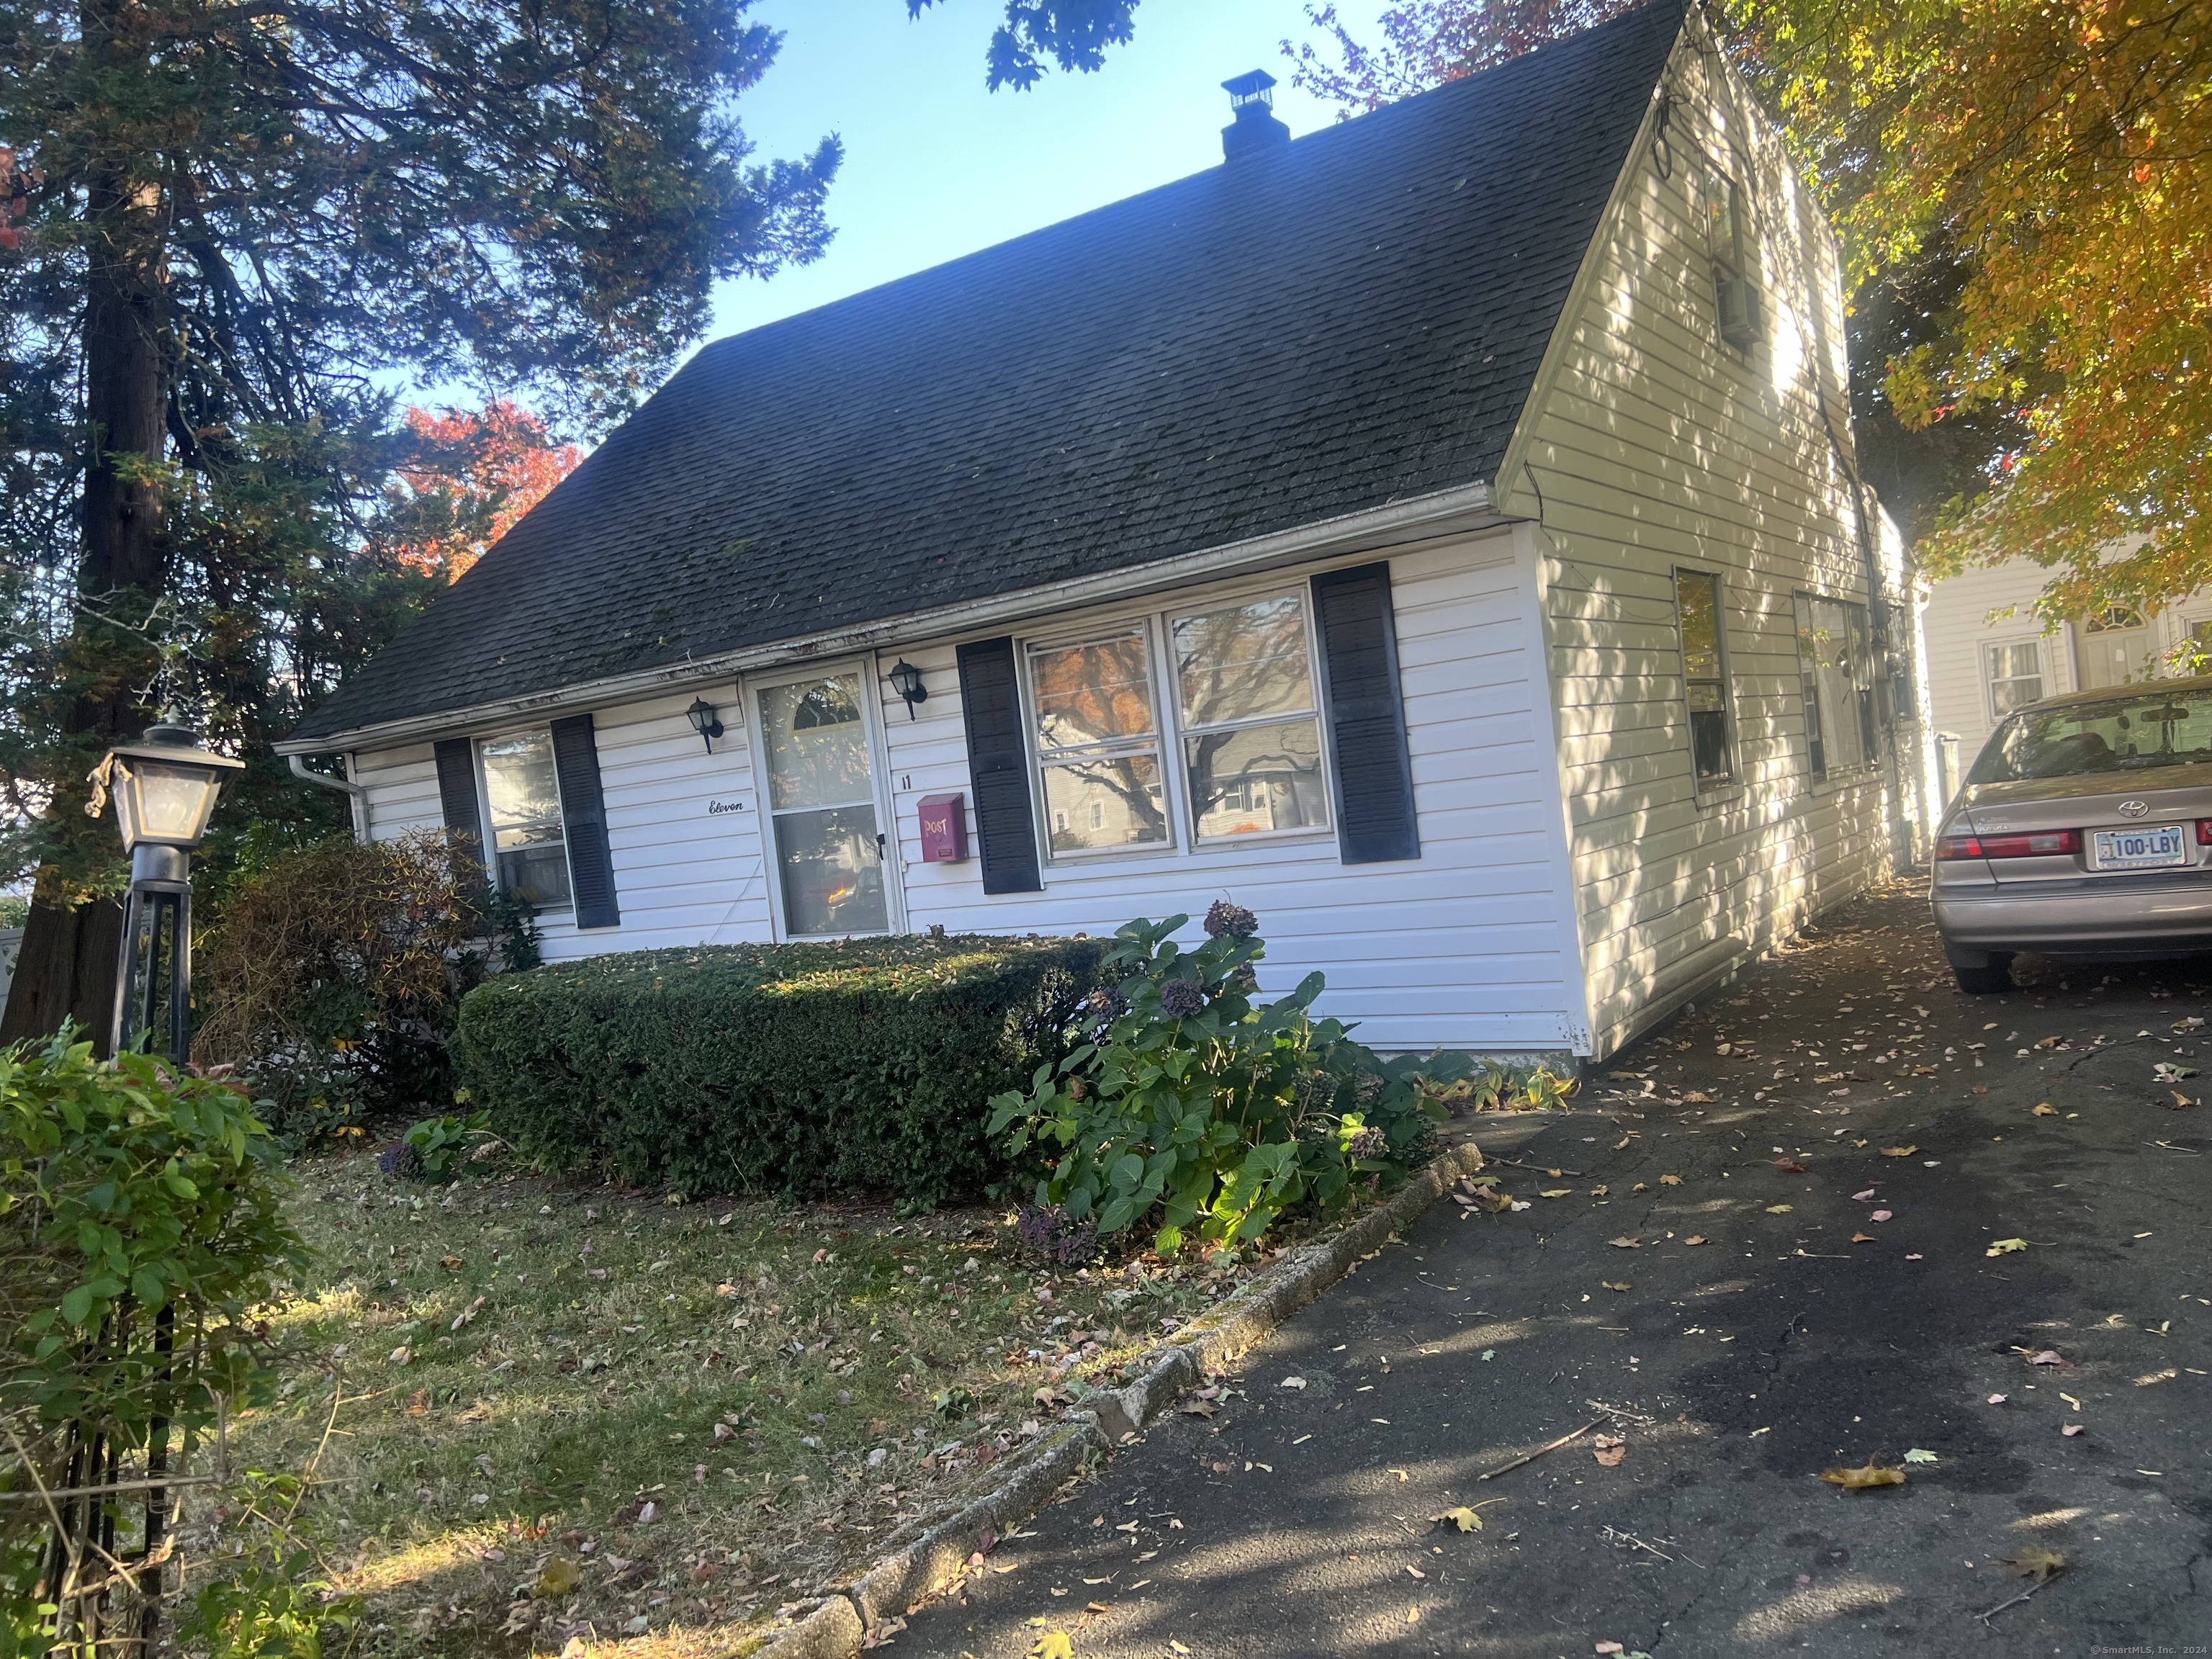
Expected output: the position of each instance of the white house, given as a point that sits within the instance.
(1438, 533)
(1990, 653)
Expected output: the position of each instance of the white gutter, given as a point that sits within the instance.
(357, 794)
(1467, 507)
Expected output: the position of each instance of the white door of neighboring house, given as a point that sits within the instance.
(2114, 647)
(828, 837)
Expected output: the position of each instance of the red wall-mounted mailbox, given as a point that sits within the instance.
(943, 828)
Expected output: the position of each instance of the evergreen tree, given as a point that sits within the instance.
(225, 226)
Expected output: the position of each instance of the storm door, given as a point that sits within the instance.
(831, 853)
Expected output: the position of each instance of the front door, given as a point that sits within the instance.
(2114, 648)
(830, 854)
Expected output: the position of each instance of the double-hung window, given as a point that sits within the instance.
(1251, 728)
(1098, 739)
(522, 797)
(1836, 671)
(1699, 614)
(2014, 670)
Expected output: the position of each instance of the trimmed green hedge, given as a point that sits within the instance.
(801, 1069)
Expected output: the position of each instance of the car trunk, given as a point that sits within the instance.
(2136, 807)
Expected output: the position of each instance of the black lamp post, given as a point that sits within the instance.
(165, 786)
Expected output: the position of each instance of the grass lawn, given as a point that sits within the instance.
(706, 1410)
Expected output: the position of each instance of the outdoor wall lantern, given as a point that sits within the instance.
(705, 722)
(165, 788)
(906, 680)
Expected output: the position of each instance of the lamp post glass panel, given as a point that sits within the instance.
(165, 788)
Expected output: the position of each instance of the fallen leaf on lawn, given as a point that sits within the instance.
(1861, 1198)
(1054, 1644)
(1462, 1517)
(1627, 1244)
(418, 1403)
(1778, 1209)
(1860, 1479)
(2006, 1246)
(1614, 1285)
(1670, 1181)
(1790, 1166)
(450, 1263)
(560, 1577)
(2075, 1428)
(1880, 1215)
(1917, 1455)
(1695, 1238)
(1862, 1238)
(1609, 1450)
(2036, 1564)
(2045, 1109)
(1898, 1152)
(1556, 1192)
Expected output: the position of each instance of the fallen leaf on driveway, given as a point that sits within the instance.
(1462, 1517)
(1999, 1398)
(1521, 1204)
(1779, 1209)
(2048, 1042)
(1292, 1382)
(2075, 1428)
(1860, 1479)
(1862, 1239)
(1790, 1166)
(1670, 1181)
(1695, 1238)
(2045, 1109)
(2181, 1102)
(2037, 1563)
(1898, 1152)
(1861, 1198)
(1615, 1647)
(1627, 1243)
(2050, 1357)
(1609, 1450)
(1054, 1644)
(2166, 1072)
(1556, 1192)
(2006, 1246)
(1917, 1455)
(1615, 1285)
(1198, 1408)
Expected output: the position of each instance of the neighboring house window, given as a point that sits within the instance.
(1251, 729)
(2015, 672)
(523, 796)
(1699, 614)
(1836, 671)
(1098, 744)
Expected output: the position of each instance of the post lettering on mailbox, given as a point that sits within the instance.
(943, 828)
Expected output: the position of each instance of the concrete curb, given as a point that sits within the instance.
(936, 1559)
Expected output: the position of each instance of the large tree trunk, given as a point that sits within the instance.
(67, 967)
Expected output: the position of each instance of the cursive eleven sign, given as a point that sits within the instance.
(716, 808)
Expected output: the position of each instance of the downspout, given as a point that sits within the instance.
(357, 794)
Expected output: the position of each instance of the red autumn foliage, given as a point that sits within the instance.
(472, 476)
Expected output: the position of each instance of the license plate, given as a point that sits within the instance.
(2140, 849)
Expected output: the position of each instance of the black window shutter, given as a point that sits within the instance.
(584, 821)
(457, 790)
(1366, 716)
(999, 767)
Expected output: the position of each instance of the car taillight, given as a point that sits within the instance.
(2204, 832)
(2038, 844)
(2035, 845)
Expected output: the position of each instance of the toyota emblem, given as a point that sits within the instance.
(2134, 809)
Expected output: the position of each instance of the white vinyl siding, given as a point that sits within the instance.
(1647, 447)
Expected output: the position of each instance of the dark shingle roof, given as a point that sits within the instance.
(1353, 319)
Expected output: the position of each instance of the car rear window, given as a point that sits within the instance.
(2117, 734)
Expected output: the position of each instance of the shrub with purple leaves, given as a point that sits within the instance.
(1048, 1229)
(1185, 1100)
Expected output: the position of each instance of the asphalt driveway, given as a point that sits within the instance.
(1820, 1222)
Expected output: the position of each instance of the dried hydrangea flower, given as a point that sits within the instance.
(1180, 999)
(1224, 919)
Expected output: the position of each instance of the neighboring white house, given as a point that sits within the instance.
(1989, 653)
(1436, 533)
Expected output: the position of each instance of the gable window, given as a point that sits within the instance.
(1251, 729)
(1835, 675)
(1098, 740)
(1698, 615)
(1730, 239)
(522, 795)
(2015, 674)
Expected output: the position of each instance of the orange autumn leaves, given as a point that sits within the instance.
(472, 475)
(2067, 150)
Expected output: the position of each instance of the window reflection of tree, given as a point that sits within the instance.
(818, 749)
(1133, 780)
(1245, 662)
(1096, 693)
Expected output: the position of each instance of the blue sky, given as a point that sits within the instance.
(935, 166)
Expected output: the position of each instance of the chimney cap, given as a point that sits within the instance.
(1253, 86)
